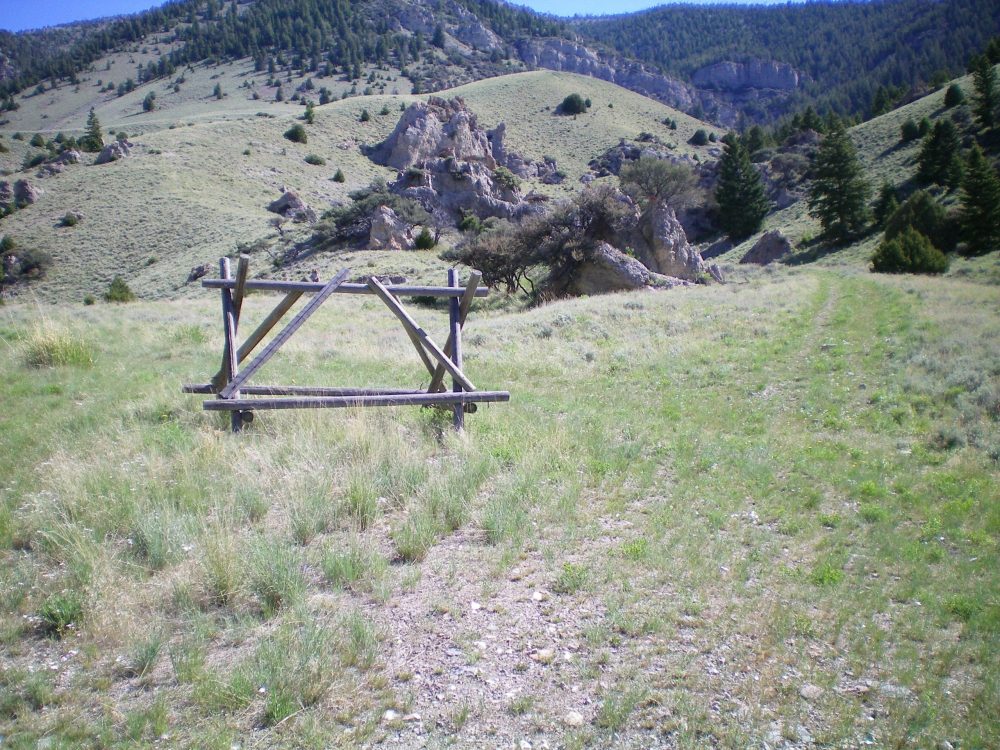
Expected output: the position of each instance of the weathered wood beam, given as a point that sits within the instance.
(437, 379)
(312, 287)
(301, 390)
(276, 343)
(346, 402)
(455, 339)
(411, 325)
(218, 380)
(242, 271)
(229, 342)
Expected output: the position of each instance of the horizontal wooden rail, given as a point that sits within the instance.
(308, 287)
(300, 390)
(346, 402)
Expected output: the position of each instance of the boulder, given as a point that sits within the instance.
(50, 169)
(198, 272)
(770, 247)
(113, 152)
(25, 193)
(291, 206)
(389, 232)
(608, 269)
(671, 253)
(69, 156)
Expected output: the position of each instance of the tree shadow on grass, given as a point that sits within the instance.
(810, 252)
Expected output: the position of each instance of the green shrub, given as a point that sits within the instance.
(316, 160)
(909, 131)
(505, 178)
(470, 223)
(69, 219)
(424, 240)
(352, 222)
(700, 138)
(32, 160)
(296, 134)
(118, 291)
(365, 116)
(61, 610)
(909, 252)
(37, 140)
(954, 96)
(339, 176)
(921, 212)
(573, 104)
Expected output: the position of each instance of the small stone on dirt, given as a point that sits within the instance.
(811, 692)
(389, 716)
(538, 596)
(573, 719)
(544, 655)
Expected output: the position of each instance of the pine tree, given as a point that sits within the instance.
(93, 139)
(979, 215)
(740, 192)
(885, 204)
(984, 80)
(838, 196)
(954, 96)
(939, 160)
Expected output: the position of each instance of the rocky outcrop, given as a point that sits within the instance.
(448, 162)
(770, 247)
(198, 272)
(114, 152)
(669, 251)
(608, 269)
(755, 74)
(389, 232)
(6, 195)
(463, 27)
(291, 206)
(25, 193)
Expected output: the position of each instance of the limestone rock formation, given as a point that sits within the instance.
(69, 156)
(669, 251)
(608, 269)
(770, 247)
(25, 193)
(447, 161)
(291, 206)
(113, 152)
(389, 232)
(755, 74)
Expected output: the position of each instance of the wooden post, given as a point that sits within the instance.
(455, 335)
(242, 271)
(229, 343)
(437, 380)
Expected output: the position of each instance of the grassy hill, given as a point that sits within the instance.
(191, 192)
(759, 513)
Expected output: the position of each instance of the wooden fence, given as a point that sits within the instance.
(234, 394)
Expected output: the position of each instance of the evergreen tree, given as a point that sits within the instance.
(838, 196)
(939, 160)
(885, 204)
(979, 215)
(310, 115)
(954, 96)
(984, 80)
(740, 192)
(93, 138)
(910, 252)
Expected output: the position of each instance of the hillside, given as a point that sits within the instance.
(190, 193)
(843, 52)
(758, 513)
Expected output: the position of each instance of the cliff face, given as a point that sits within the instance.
(756, 74)
(720, 90)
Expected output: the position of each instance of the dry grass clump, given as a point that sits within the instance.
(49, 344)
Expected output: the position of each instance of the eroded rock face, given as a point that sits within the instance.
(670, 253)
(608, 269)
(770, 247)
(291, 206)
(447, 161)
(389, 232)
(755, 74)
(25, 193)
(113, 152)
(69, 156)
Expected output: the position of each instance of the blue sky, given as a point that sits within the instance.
(17, 15)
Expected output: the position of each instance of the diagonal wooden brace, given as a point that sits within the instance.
(437, 377)
(284, 335)
(412, 327)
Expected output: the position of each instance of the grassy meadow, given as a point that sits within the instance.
(760, 513)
